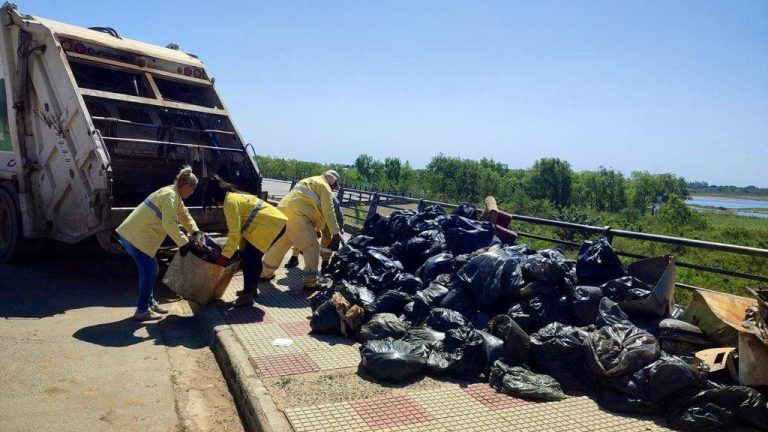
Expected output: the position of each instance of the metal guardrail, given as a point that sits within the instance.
(355, 201)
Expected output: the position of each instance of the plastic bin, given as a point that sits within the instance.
(198, 280)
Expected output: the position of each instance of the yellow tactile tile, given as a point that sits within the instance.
(326, 418)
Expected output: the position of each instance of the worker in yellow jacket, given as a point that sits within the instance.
(309, 208)
(145, 229)
(253, 225)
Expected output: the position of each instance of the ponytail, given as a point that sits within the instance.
(186, 177)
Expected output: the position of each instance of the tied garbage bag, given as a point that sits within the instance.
(460, 300)
(408, 284)
(388, 302)
(442, 320)
(619, 289)
(464, 236)
(520, 382)
(361, 241)
(586, 304)
(516, 340)
(544, 310)
(378, 227)
(417, 250)
(393, 360)
(493, 348)
(597, 263)
(619, 350)
(435, 266)
(325, 319)
(720, 408)
(425, 299)
(320, 297)
(462, 352)
(547, 266)
(466, 210)
(490, 275)
(356, 294)
(558, 350)
(609, 313)
(382, 326)
(424, 336)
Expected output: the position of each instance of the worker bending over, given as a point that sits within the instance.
(253, 225)
(145, 229)
(327, 243)
(309, 207)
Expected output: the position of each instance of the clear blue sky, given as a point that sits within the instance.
(664, 86)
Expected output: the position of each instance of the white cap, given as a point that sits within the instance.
(331, 177)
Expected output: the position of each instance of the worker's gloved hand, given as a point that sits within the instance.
(222, 261)
(184, 250)
(335, 242)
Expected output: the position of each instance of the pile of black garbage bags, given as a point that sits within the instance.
(434, 293)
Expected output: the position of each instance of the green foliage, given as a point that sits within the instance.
(675, 214)
(550, 179)
(601, 190)
(647, 189)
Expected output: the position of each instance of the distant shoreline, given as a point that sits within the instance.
(729, 196)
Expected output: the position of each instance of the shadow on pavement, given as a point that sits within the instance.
(170, 331)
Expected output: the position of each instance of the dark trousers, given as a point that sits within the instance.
(252, 265)
(251, 261)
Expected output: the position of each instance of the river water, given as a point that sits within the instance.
(734, 204)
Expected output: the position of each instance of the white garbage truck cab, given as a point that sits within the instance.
(91, 123)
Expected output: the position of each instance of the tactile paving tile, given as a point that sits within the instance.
(296, 328)
(392, 410)
(449, 402)
(285, 364)
(488, 396)
(247, 315)
(336, 358)
(338, 417)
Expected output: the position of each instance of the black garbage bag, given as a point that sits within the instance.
(464, 236)
(620, 349)
(480, 319)
(544, 310)
(597, 263)
(466, 210)
(520, 382)
(460, 300)
(538, 289)
(325, 319)
(558, 350)
(462, 353)
(356, 294)
(378, 227)
(617, 401)
(618, 289)
(435, 266)
(442, 320)
(320, 297)
(491, 275)
(610, 313)
(519, 313)
(415, 251)
(382, 326)
(380, 271)
(393, 360)
(388, 302)
(345, 262)
(586, 304)
(547, 266)
(361, 241)
(516, 340)
(408, 283)
(726, 407)
(424, 336)
(493, 348)
(425, 299)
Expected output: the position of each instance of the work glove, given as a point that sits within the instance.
(335, 242)
(222, 261)
(184, 250)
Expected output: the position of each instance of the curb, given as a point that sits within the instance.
(256, 407)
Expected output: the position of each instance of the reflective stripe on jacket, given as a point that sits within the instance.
(157, 216)
(250, 219)
(317, 205)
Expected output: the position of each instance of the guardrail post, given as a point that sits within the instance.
(421, 205)
(607, 234)
(374, 206)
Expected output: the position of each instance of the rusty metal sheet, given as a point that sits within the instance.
(719, 315)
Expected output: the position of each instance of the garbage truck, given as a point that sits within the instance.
(92, 122)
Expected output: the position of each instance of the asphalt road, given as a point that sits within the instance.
(72, 359)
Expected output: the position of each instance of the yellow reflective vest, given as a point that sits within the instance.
(159, 215)
(313, 198)
(250, 219)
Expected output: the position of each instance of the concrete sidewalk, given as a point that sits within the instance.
(314, 383)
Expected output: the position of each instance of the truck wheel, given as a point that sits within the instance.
(13, 246)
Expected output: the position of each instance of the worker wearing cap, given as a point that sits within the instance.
(253, 225)
(328, 244)
(309, 208)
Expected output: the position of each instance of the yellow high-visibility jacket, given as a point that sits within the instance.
(159, 215)
(313, 198)
(250, 219)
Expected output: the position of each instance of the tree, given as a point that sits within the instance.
(392, 169)
(647, 189)
(601, 190)
(675, 214)
(550, 179)
(364, 163)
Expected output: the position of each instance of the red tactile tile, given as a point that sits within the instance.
(247, 315)
(296, 328)
(285, 364)
(492, 399)
(390, 411)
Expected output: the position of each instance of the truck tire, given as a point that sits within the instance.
(13, 246)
